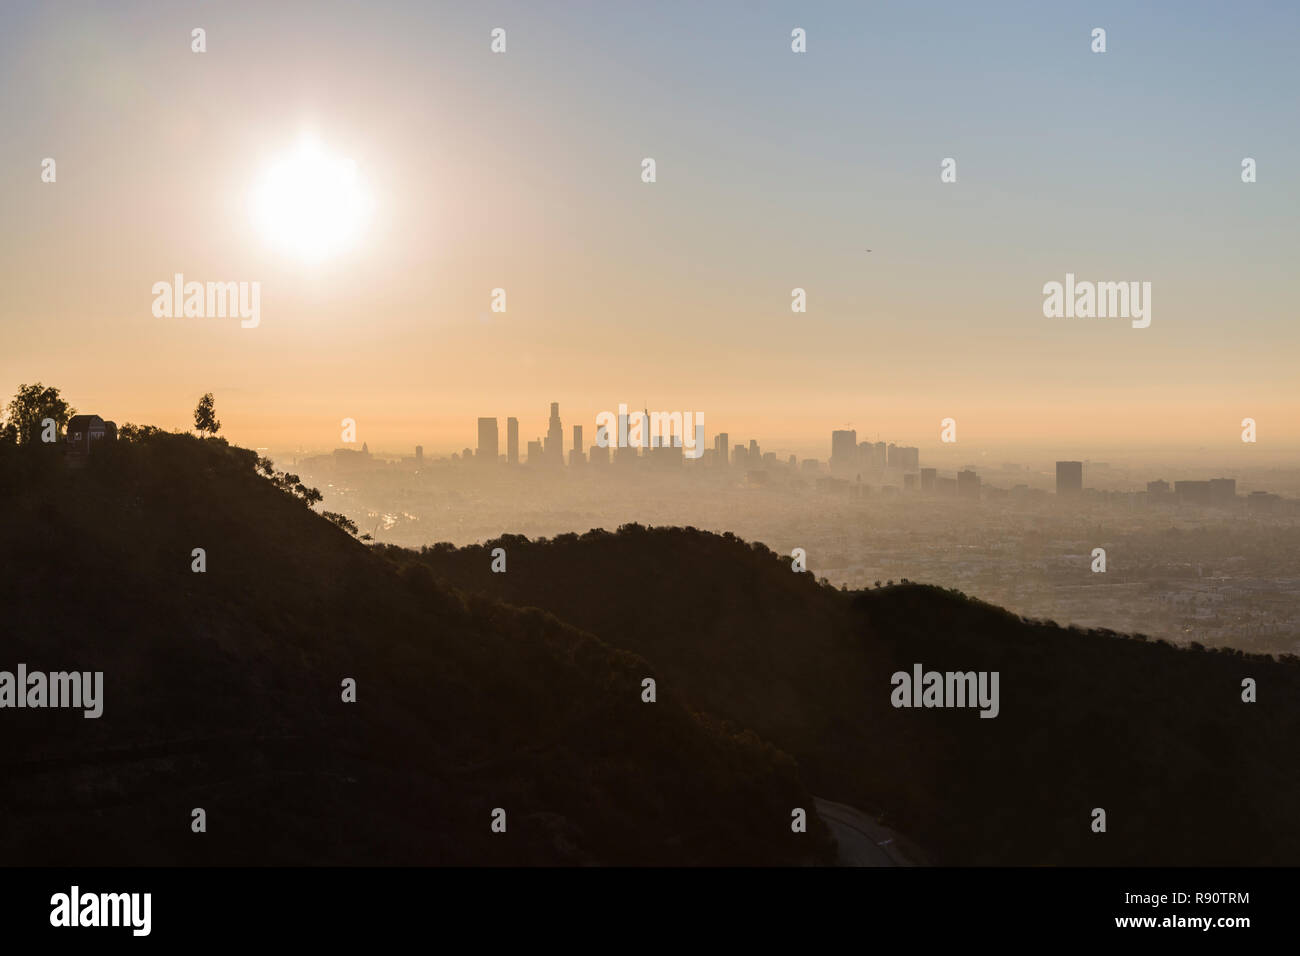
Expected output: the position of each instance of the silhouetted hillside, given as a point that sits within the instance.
(222, 690)
(1156, 736)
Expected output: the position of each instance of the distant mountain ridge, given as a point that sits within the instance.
(1156, 736)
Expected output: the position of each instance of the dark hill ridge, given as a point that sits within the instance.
(1156, 736)
(222, 691)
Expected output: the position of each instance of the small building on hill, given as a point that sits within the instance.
(83, 432)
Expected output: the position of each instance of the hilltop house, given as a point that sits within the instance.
(83, 431)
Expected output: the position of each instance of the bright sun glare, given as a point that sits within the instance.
(310, 204)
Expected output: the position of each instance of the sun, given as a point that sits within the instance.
(310, 204)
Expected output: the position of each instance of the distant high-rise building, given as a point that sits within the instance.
(739, 457)
(720, 448)
(891, 459)
(1193, 492)
(555, 436)
(909, 458)
(487, 441)
(512, 441)
(754, 454)
(844, 451)
(535, 452)
(1069, 478)
(1223, 490)
(909, 482)
(1216, 491)
(927, 480)
(1263, 501)
(575, 456)
(419, 455)
(1158, 488)
(878, 456)
(624, 452)
(968, 485)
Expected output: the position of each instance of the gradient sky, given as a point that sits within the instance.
(775, 170)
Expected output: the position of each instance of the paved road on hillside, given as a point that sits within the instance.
(861, 841)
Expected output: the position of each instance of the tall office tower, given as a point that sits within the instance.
(792, 462)
(555, 436)
(739, 456)
(625, 451)
(927, 479)
(754, 453)
(910, 458)
(419, 455)
(864, 456)
(720, 448)
(512, 441)
(619, 440)
(844, 451)
(891, 457)
(1158, 487)
(487, 441)
(535, 452)
(879, 457)
(575, 455)
(968, 485)
(1069, 478)
(693, 437)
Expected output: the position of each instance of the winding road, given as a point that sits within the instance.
(861, 841)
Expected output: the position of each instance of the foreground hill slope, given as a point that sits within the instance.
(1156, 736)
(222, 691)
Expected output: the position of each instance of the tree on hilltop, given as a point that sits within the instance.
(205, 416)
(31, 405)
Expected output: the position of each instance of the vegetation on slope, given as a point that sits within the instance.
(223, 691)
(1158, 737)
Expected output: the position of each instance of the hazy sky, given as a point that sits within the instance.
(775, 170)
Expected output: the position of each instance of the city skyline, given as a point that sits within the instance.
(849, 464)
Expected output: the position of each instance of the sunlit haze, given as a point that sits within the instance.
(775, 171)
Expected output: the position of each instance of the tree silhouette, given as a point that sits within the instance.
(205, 416)
(31, 405)
(342, 521)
